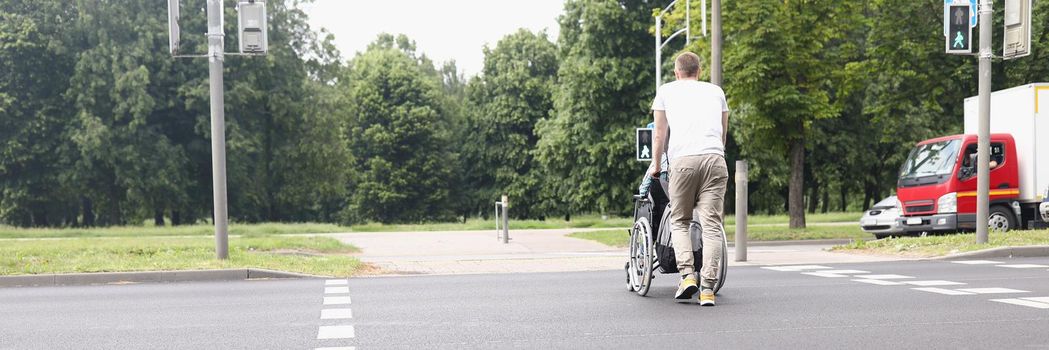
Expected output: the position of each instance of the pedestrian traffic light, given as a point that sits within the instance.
(644, 144)
(959, 32)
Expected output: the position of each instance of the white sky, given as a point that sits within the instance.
(442, 29)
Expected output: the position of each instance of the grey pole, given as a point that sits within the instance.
(506, 220)
(218, 127)
(983, 153)
(659, 53)
(741, 208)
(715, 43)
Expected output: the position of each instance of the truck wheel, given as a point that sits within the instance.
(1001, 219)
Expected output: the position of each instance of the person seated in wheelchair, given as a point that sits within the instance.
(697, 112)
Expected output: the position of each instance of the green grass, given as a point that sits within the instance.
(161, 231)
(620, 238)
(940, 245)
(809, 218)
(311, 255)
(267, 229)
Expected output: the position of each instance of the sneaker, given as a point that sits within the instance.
(706, 297)
(687, 288)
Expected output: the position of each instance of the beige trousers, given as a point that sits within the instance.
(698, 183)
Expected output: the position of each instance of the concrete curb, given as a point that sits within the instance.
(145, 277)
(1001, 252)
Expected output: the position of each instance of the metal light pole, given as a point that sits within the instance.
(660, 43)
(983, 153)
(218, 126)
(715, 43)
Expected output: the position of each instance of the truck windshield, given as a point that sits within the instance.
(931, 159)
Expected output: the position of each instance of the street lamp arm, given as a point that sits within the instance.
(671, 37)
(667, 9)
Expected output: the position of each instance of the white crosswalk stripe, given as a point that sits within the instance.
(336, 282)
(934, 283)
(835, 273)
(993, 290)
(797, 268)
(336, 290)
(1024, 302)
(943, 291)
(976, 262)
(878, 282)
(886, 277)
(336, 332)
(1024, 266)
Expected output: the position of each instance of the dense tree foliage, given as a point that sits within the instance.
(400, 137)
(604, 91)
(99, 125)
(512, 93)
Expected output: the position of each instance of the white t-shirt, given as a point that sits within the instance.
(693, 111)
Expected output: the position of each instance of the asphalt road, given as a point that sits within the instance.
(759, 308)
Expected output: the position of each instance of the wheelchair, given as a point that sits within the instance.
(650, 244)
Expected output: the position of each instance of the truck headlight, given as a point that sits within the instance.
(948, 203)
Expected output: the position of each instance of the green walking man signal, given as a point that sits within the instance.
(959, 37)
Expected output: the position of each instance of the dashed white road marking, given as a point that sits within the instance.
(992, 290)
(934, 283)
(1039, 299)
(1024, 266)
(336, 300)
(336, 282)
(338, 348)
(796, 268)
(976, 262)
(336, 314)
(1023, 302)
(943, 291)
(336, 290)
(886, 277)
(834, 273)
(336, 332)
(878, 282)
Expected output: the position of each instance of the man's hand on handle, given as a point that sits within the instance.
(655, 168)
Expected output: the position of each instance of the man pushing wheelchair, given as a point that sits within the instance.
(697, 112)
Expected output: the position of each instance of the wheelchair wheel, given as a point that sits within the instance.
(723, 268)
(639, 269)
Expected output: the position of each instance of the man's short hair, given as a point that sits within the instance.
(688, 64)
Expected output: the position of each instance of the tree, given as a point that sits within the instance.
(398, 135)
(782, 59)
(513, 92)
(604, 91)
(34, 64)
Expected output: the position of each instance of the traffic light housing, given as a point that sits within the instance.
(252, 27)
(959, 32)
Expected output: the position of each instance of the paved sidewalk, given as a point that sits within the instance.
(472, 252)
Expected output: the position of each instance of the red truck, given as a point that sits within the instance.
(937, 183)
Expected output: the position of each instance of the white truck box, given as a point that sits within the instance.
(1022, 111)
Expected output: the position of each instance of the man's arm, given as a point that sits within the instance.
(659, 141)
(724, 128)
